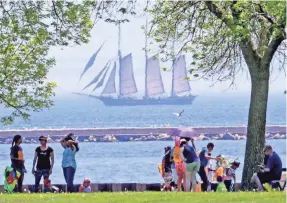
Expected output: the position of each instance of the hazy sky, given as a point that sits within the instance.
(72, 60)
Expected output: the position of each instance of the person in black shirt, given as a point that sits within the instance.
(17, 160)
(44, 157)
(166, 168)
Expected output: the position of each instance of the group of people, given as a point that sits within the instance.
(179, 167)
(43, 165)
(182, 163)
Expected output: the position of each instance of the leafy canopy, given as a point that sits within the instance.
(28, 29)
(220, 34)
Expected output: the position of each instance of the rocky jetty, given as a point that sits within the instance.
(144, 137)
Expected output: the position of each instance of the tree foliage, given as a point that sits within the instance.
(28, 29)
(215, 31)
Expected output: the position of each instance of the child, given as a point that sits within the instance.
(86, 186)
(210, 172)
(221, 186)
(230, 178)
(48, 187)
(221, 166)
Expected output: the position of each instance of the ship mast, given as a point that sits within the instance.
(173, 58)
(146, 59)
(119, 56)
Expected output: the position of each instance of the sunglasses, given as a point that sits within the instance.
(43, 140)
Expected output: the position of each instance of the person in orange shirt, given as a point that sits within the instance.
(179, 165)
(221, 169)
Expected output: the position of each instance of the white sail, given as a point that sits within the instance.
(101, 82)
(180, 83)
(154, 80)
(110, 87)
(95, 80)
(91, 61)
(127, 80)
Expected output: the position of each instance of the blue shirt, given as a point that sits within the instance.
(274, 163)
(189, 154)
(69, 158)
(203, 159)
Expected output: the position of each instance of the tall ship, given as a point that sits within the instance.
(122, 95)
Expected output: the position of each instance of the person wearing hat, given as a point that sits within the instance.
(43, 161)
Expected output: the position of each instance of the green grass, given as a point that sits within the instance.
(147, 197)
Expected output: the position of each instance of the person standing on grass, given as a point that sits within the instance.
(17, 159)
(179, 165)
(192, 163)
(69, 162)
(166, 168)
(204, 158)
(44, 157)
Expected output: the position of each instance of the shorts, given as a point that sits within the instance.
(180, 168)
(167, 178)
(193, 167)
(266, 177)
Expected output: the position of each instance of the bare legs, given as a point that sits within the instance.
(187, 181)
(181, 178)
(256, 180)
(193, 180)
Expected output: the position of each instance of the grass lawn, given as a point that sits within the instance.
(147, 197)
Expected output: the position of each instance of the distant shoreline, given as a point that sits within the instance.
(132, 134)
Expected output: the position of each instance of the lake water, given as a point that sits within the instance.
(124, 162)
(138, 161)
(225, 109)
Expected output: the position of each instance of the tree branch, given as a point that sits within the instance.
(267, 58)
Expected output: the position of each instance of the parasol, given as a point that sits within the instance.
(184, 132)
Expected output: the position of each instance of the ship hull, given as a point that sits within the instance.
(109, 101)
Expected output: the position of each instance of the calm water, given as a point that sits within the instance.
(125, 162)
(137, 162)
(225, 109)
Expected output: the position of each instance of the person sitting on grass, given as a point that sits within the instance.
(221, 186)
(230, 177)
(272, 171)
(48, 187)
(86, 186)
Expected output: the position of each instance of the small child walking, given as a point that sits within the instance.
(221, 186)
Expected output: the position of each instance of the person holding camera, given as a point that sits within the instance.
(69, 165)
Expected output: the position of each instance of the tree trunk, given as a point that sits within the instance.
(256, 122)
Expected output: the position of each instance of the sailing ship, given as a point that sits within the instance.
(154, 87)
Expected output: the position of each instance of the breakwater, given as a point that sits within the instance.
(137, 134)
(110, 187)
